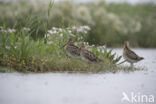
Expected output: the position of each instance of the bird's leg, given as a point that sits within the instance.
(131, 65)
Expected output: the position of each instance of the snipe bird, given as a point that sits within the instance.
(71, 49)
(89, 56)
(129, 55)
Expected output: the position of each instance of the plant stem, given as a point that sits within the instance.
(121, 62)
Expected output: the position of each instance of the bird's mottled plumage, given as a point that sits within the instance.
(71, 49)
(89, 56)
(129, 55)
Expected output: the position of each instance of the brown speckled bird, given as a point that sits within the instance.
(89, 56)
(129, 55)
(71, 49)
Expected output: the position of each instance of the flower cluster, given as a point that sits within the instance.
(9, 31)
(78, 29)
(73, 32)
(81, 29)
(60, 31)
(26, 29)
(63, 33)
(99, 49)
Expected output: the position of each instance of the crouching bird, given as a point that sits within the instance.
(89, 56)
(71, 49)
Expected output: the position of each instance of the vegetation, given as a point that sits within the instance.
(21, 52)
(31, 38)
(111, 24)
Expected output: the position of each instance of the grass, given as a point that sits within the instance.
(21, 52)
(6, 70)
(112, 23)
(34, 47)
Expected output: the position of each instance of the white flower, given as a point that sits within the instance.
(83, 29)
(61, 35)
(80, 30)
(72, 35)
(86, 28)
(93, 45)
(80, 38)
(99, 50)
(54, 28)
(15, 47)
(7, 47)
(86, 43)
(52, 31)
(69, 31)
(26, 29)
(46, 35)
(50, 42)
(74, 28)
(11, 30)
(60, 30)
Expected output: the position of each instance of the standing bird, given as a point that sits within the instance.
(71, 49)
(89, 56)
(129, 55)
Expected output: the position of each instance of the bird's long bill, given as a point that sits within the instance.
(64, 45)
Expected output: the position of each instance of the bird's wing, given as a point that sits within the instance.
(91, 56)
(132, 54)
(75, 49)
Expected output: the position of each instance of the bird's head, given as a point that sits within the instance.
(70, 41)
(82, 47)
(126, 44)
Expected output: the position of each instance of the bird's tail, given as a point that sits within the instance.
(100, 60)
(141, 58)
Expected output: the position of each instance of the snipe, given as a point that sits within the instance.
(89, 56)
(71, 49)
(129, 55)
